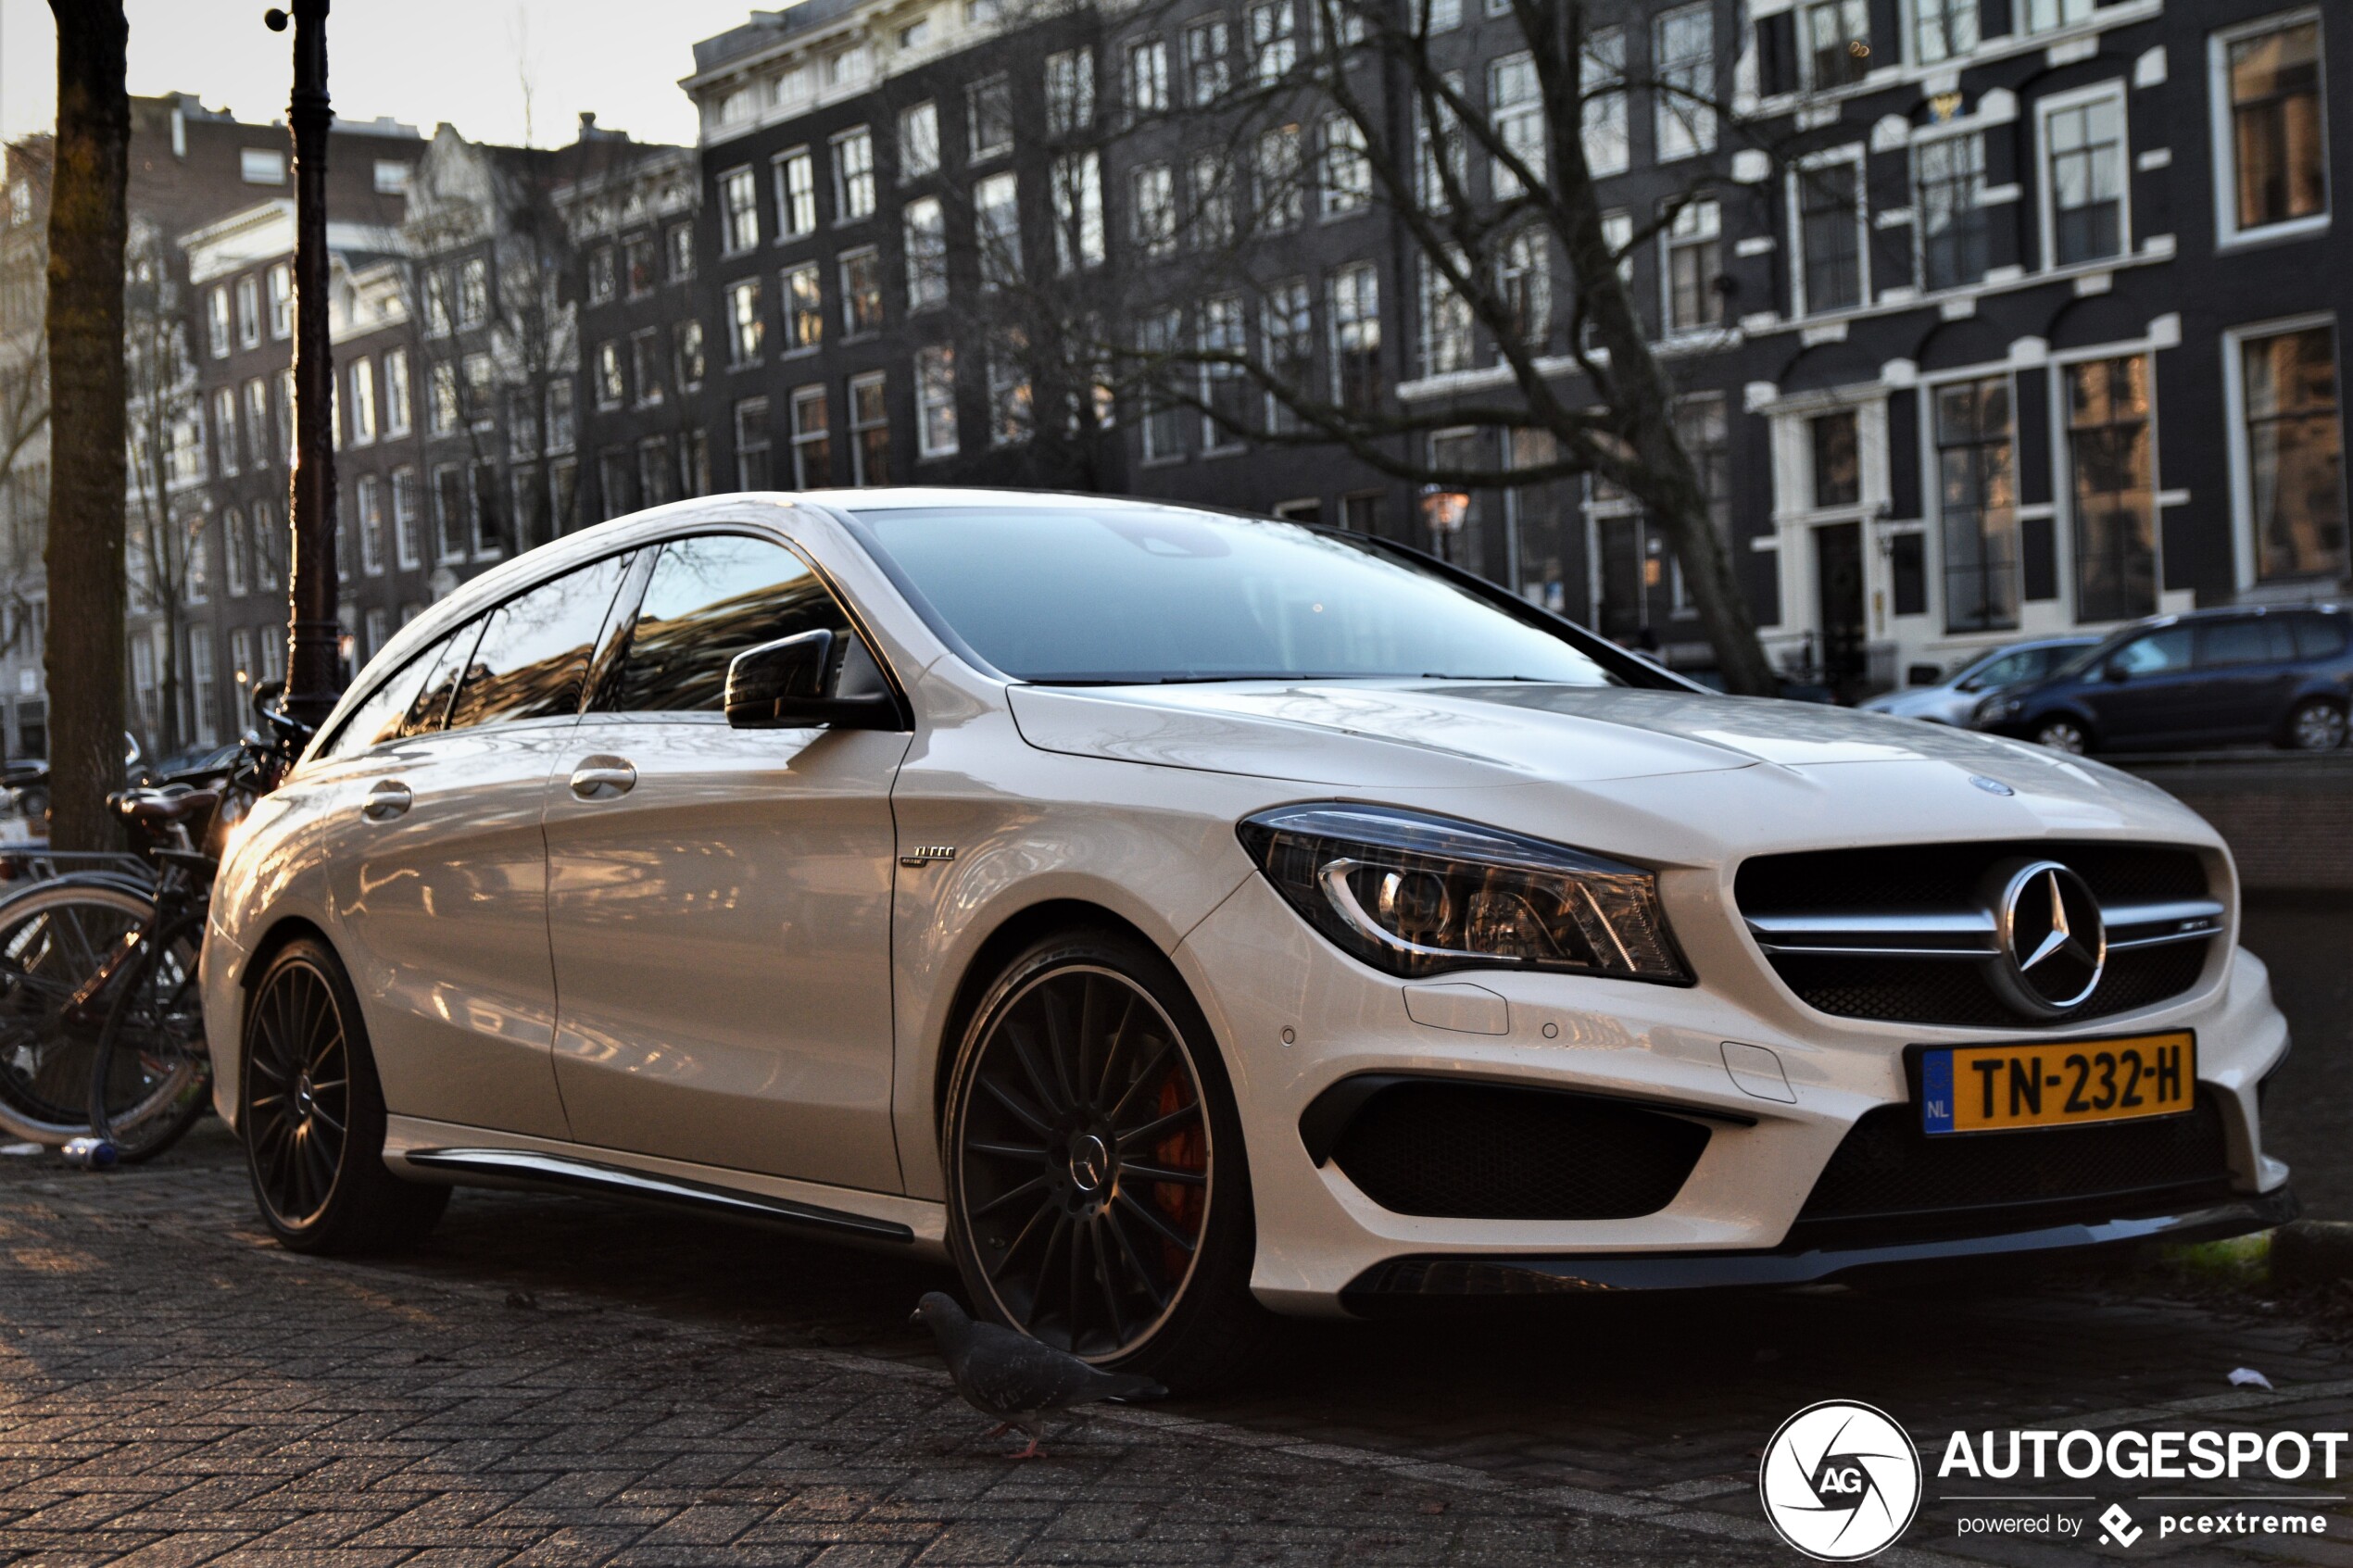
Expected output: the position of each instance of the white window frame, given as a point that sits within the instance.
(2046, 195)
(1852, 153)
(858, 384)
(2063, 520)
(727, 239)
(1910, 18)
(1601, 83)
(2241, 461)
(845, 181)
(1706, 215)
(909, 119)
(934, 372)
(1702, 128)
(781, 168)
(2227, 234)
(1919, 209)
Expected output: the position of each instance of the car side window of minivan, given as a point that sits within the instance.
(383, 714)
(2254, 640)
(2157, 653)
(2319, 636)
(708, 599)
(533, 659)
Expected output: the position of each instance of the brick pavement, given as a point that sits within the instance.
(563, 1381)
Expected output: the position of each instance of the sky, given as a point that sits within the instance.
(421, 61)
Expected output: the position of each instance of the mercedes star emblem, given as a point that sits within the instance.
(2053, 945)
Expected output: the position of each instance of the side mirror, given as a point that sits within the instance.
(2115, 672)
(815, 680)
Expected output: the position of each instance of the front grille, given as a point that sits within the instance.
(1892, 1179)
(1945, 879)
(1481, 1151)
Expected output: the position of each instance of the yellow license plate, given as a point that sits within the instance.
(1989, 1088)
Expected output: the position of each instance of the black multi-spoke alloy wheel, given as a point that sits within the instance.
(1098, 1197)
(150, 1076)
(313, 1115)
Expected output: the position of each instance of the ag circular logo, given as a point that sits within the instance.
(1841, 1480)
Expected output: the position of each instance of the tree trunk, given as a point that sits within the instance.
(88, 220)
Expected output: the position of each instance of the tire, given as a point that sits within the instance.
(2317, 724)
(2063, 734)
(1051, 1225)
(311, 1115)
(54, 935)
(151, 1075)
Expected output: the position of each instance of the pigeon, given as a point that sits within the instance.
(1016, 1379)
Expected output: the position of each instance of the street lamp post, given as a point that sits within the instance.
(313, 663)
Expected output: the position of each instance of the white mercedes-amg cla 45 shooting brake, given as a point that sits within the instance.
(1174, 918)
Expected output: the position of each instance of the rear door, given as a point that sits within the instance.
(2247, 672)
(719, 900)
(444, 893)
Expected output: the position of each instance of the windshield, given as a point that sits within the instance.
(1137, 595)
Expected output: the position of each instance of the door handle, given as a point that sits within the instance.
(603, 778)
(388, 798)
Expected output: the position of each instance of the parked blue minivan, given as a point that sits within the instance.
(2280, 675)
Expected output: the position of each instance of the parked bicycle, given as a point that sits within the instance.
(101, 1024)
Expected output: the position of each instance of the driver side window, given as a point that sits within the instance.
(2157, 652)
(708, 600)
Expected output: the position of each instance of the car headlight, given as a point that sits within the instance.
(1995, 709)
(1416, 894)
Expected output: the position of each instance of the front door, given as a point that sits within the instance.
(1838, 580)
(719, 900)
(2143, 695)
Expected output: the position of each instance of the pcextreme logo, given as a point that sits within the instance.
(1840, 1481)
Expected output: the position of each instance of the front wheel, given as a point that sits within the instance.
(62, 942)
(2062, 734)
(313, 1115)
(1098, 1197)
(2316, 725)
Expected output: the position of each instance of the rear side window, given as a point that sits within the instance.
(383, 714)
(533, 654)
(2257, 640)
(708, 600)
(2319, 636)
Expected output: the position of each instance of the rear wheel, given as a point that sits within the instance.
(1098, 1197)
(313, 1115)
(2062, 734)
(151, 1077)
(56, 936)
(2317, 724)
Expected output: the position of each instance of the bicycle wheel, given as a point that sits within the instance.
(54, 938)
(150, 1074)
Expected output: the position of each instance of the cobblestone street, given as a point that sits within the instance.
(561, 1381)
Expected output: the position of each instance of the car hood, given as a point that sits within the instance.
(1453, 734)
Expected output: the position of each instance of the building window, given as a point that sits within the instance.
(406, 544)
(657, 471)
(869, 431)
(927, 226)
(1146, 78)
(1440, 157)
(685, 352)
(1348, 175)
(281, 278)
(1205, 71)
(257, 418)
(522, 424)
(1287, 323)
(603, 276)
(611, 387)
(450, 522)
(1274, 49)
(1070, 92)
(637, 265)
(1154, 209)
(645, 366)
(997, 230)
(1156, 341)
(935, 401)
(1524, 278)
(1515, 109)
(204, 698)
(2113, 488)
(861, 302)
(487, 510)
(1836, 44)
(2085, 145)
(248, 313)
(1446, 321)
(225, 428)
(1684, 50)
(236, 548)
(1600, 80)
(261, 166)
(853, 176)
(2293, 453)
(1011, 412)
(216, 320)
(1437, 15)
(1829, 209)
(1355, 317)
(1209, 186)
(563, 496)
(1942, 29)
(370, 501)
(473, 291)
(362, 413)
(694, 461)
(443, 414)
(751, 444)
(437, 304)
(1278, 196)
(396, 409)
(739, 213)
(1695, 268)
(1838, 471)
(1977, 504)
(614, 480)
(804, 307)
(919, 141)
(562, 429)
(745, 329)
(795, 194)
(2043, 15)
(1948, 193)
(1078, 212)
(813, 444)
(2272, 141)
(680, 242)
(989, 117)
(1224, 386)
